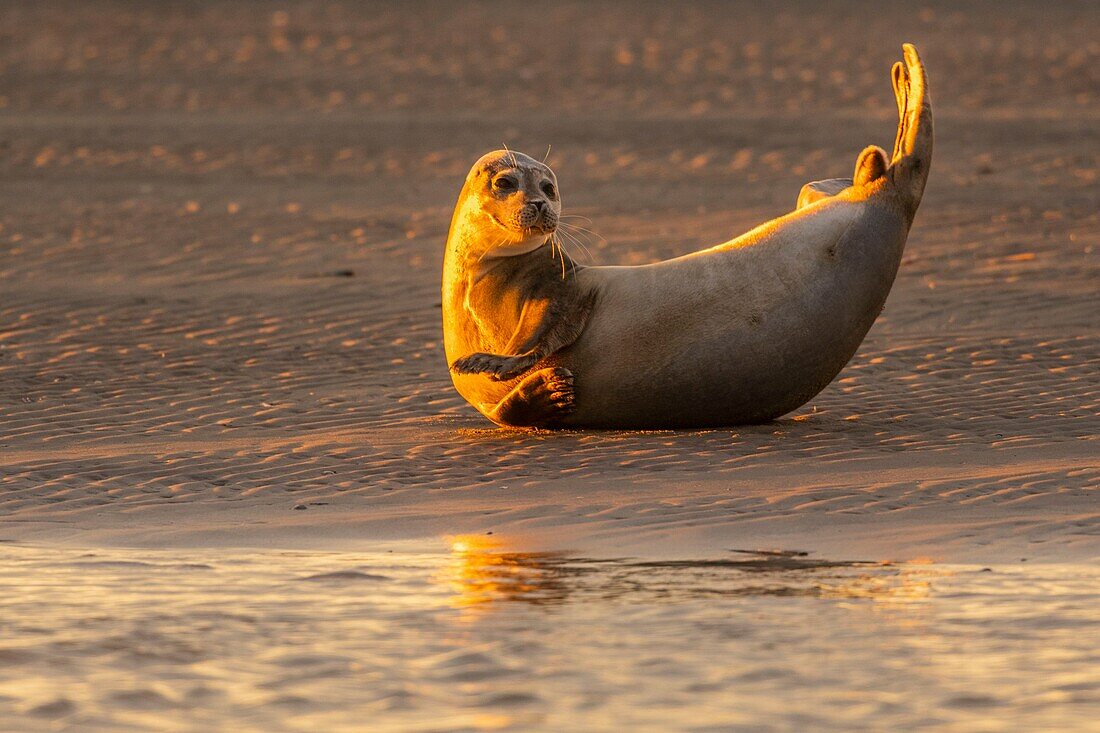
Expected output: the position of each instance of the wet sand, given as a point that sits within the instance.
(472, 637)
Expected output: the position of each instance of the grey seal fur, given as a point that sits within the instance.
(742, 332)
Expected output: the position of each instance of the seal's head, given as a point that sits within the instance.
(509, 205)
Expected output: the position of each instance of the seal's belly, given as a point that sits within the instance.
(727, 337)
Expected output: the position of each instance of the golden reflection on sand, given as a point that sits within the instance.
(893, 584)
(482, 571)
(485, 572)
(490, 635)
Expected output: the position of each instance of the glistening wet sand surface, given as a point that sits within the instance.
(221, 234)
(475, 637)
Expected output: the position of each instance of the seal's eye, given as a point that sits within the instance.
(505, 183)
(549, 189)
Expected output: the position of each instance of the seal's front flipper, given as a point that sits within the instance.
(540, 400)
(496, 366)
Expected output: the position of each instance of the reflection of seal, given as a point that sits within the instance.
(742, 332)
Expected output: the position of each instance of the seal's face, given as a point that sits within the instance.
(521, 199)
(517, 201)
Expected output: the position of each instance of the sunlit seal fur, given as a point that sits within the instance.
(739, 333)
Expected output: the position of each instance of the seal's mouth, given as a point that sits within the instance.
(542, 226)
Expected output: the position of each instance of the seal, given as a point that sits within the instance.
(739, 333)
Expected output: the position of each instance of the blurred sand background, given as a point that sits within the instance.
(222, 225)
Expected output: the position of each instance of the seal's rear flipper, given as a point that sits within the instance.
(817, 190)
(870, 165)
(912, 155)
(907, 167)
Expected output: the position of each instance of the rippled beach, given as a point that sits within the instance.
(239, 492)
(466, 635)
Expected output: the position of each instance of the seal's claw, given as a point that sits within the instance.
(556, 392)
(472, 364)
(564, 403)
(511, 367)
(498, 368)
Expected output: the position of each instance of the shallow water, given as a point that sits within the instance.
(467, 635)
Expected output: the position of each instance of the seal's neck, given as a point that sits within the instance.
(498, 261)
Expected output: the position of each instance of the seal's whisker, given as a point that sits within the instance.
(572, 262)
(581, 245)
(585, 249)
(564, 256)
(576, 216)
(547, 153)
(511, 155)
(587, 252)
(560, 244)
(554, 251)
(566, 236)
(579, 236)
(490, 249)
(565, 229)
(582, 229)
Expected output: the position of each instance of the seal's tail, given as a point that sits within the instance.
(912, 156)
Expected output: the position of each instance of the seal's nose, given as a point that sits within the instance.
(535, 212)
